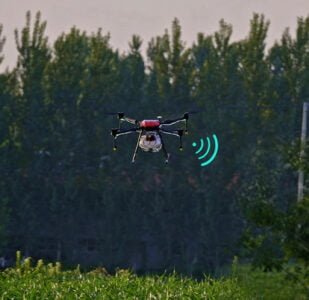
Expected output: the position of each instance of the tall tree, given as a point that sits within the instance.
(70, 198)
(4, 137)
(170, 68)
(271, 206)
(30, 121)
(63, 83)
(158, 54)
(133, 72)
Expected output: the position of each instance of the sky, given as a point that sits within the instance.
(147, 18)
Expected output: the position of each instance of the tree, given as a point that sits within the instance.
(26, 119)
(3, 145)
(133, 73)
(68, 197)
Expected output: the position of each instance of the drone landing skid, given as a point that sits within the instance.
(136, 148)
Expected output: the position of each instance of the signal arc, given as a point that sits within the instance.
(208, 148)
(201, 147)
(214, 154)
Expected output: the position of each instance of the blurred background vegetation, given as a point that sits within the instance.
(64, 195)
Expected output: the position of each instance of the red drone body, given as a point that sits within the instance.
(149, 124)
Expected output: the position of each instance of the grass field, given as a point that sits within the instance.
(48, 281)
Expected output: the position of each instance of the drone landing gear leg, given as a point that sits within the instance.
(136, 148)
(166, 154)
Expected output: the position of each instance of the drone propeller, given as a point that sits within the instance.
(184, 118)
(191, 112)
(119, 114)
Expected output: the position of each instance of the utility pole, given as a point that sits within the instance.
(300, 190)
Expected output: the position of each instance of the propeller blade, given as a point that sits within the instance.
(120, 114)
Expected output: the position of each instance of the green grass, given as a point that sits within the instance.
(50, 282)
(269, 285)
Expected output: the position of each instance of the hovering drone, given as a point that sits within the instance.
(150, 133)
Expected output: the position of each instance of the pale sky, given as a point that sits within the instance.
(147, 18)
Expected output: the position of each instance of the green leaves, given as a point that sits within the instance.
(49, 281)
(64, 194)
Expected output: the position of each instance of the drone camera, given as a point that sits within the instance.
(150, 138)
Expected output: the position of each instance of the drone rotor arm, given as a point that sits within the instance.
(172, 122)
(177, 132)
(184, 118)
(118, 132)
(129, 120)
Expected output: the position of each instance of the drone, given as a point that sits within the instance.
(150, 133)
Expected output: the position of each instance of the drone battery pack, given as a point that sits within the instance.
(149, 124)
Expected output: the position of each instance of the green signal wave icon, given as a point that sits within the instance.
(210, 152)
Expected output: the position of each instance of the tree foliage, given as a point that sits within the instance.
(67, 196)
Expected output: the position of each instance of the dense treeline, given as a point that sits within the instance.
(65, 195)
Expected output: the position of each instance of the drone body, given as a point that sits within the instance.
(150, 133)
